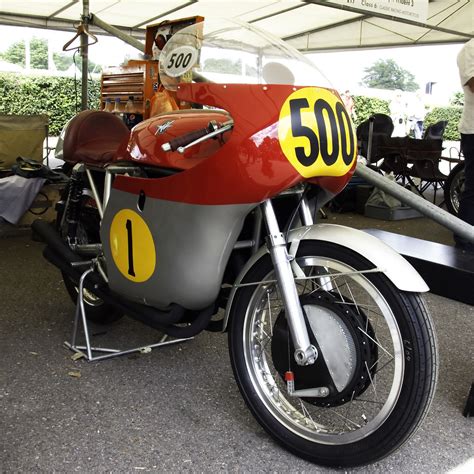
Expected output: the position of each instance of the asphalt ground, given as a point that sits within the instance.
(177, 408)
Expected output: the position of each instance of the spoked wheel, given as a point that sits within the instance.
(376, 369)
(88, 226)
(453, 188)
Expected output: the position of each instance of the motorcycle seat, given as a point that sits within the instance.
(93, 137)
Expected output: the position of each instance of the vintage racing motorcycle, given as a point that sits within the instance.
(203, 219)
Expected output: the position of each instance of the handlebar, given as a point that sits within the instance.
(181, 143)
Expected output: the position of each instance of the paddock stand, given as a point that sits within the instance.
(469, 408)
(88, 351)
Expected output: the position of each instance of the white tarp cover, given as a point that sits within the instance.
(416, 10)
(309, 25)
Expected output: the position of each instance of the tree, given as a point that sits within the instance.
(15, 54)
(457, 99)
(223, 65)
(387, 74)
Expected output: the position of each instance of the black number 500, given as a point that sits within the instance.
(179, 60)
(338, 130)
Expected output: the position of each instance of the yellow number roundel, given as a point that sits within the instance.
(132, 246)
(316, 133)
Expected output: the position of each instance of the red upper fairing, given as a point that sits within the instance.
(144, 144)
(249, 168)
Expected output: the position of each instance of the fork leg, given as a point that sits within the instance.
(305, 352)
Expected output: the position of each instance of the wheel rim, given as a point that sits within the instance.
(456, 189)
(90, 298)
(361, 414)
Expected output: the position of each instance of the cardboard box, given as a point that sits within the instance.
(43, 207)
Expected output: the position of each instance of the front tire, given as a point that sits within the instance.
(385, 383)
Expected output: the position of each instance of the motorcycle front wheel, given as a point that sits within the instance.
(376, 366)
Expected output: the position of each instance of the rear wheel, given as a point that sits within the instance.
(376, 364)
(87, 232)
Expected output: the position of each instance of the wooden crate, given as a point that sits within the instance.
(138, 77)
(134, 79)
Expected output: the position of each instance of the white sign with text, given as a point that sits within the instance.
(416, 10)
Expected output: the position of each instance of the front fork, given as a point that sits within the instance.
(305, 353)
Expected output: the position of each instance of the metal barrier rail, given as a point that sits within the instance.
(427, 208)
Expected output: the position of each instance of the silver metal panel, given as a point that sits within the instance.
(336, 344)
(192, 245)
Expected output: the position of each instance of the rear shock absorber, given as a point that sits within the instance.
(73, 208)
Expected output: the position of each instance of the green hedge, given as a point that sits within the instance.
(452, 115)
(367, 106)
(54, 96)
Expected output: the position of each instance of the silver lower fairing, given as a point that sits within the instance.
(192, 244)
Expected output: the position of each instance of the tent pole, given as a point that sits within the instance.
(95, 20)
(84, 55)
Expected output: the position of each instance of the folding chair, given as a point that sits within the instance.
(435, 130)
(371, 133)
(425, 157)
(22, 135)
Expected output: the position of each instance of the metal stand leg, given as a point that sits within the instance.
(109, 353)
(469, 408)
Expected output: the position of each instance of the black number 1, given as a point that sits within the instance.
(128, 225)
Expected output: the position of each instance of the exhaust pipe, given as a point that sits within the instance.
(53, 240)
(62, 257)
(153, 317)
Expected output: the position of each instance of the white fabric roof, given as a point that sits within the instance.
(309, 25)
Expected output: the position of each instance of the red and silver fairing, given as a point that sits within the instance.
(282, 135)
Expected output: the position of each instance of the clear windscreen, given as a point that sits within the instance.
(232, 52)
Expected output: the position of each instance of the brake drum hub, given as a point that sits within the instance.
(345, 341)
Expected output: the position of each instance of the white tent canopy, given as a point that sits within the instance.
(309, 25)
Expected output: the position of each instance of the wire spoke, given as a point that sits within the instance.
(373, 340)
(306, 414)
(371, 380)
(334, 412)
(363, 400)
(379, 369)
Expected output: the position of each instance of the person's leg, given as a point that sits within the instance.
(418, 129)
(466, 205)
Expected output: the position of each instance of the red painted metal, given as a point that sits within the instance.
(144, 144)
(249, 168)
